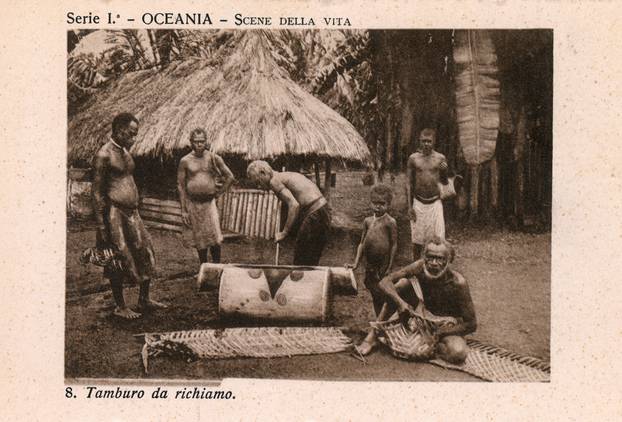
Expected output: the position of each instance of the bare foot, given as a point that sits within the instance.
(126, 313)
(366, 347)
(151, 304)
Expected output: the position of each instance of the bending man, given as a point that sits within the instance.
(307, 210)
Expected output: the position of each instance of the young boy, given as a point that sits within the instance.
(378, 243)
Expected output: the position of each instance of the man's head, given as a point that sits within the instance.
(260, 173)
(198, 141)
(381, 197)
(437, 255)
(427, 139)
(124, 129)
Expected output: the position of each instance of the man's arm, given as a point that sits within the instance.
(225, 173)
(183, 195)
(359, 249)
(443, 169)
(411, 175)
(387, 285)
(468, 322)
(393, 242)
(100, 184)
(293, 207)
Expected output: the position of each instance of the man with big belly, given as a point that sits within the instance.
(119, 225)
(201, 177)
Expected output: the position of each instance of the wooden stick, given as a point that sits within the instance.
(262, 197)
(256, 216)
(224, 213)
(157, 216)
(268, 224)
(163, 210)
(277, 220)
(474, 192)
(247, 212)
(327, 179)
(264, 215)
(260, 214)
(316, 168)
(494, 184)
(238, 218)
(251, 209)
(234, 209)
(161, 202)
(250, 215)
(244, 213)
(276, 257)
(229, 201)
(163, 226)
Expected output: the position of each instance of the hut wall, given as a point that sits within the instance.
(242, 212)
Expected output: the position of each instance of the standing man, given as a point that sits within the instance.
(119, 226)
(307, 209)
(201, 177)
(425, 170)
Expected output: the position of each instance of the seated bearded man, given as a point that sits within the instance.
(446, 296)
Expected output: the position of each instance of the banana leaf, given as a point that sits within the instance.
(477, 94)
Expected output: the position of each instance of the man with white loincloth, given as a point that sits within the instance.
(425, 170)
(201, 177)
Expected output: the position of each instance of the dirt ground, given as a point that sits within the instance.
(508, 272)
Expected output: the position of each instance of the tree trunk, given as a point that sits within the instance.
(484, 191)
(316, 168)
(494, 185)
(474, 191)
(406, 133)
(327, 178)
(390, 143)
(519, 176)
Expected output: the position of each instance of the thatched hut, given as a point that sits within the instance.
(248, 105)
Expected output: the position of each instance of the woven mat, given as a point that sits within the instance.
(257, 342)
(492, 363)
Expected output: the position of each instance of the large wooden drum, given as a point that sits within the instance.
(342, 280)
(274, 293)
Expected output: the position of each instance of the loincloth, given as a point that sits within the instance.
(133, 243)
(312, 233)
(204, 223)
(430, 221)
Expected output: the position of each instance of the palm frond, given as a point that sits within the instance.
(477, 94)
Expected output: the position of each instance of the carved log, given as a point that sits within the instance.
(342, 280)
(274, 294)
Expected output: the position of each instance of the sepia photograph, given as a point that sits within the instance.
(309, 204)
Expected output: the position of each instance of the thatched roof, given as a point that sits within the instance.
(249, 107)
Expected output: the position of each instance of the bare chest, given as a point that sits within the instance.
(199, 165)
(121, 163)
(425, 164)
